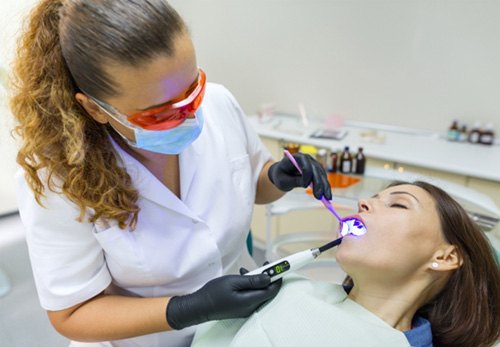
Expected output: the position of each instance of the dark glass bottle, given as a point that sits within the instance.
(360, 161)
(346, 161)
(332, 163)
(487, 136)
(475, 133)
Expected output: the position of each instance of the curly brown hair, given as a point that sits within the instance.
(63, 50)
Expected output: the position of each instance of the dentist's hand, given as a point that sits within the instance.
(230, 296)
(285, 176)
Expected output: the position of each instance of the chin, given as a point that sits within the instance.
(350, 258)
(342, 255)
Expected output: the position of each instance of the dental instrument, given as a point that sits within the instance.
(349, 225)
(325, 201)
(293, 262)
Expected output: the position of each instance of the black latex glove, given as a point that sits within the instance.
(285, 176)
(230, 296)
(275, 283)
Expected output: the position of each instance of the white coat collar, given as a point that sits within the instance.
(149, 187)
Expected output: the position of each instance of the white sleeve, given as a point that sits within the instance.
(67, 261)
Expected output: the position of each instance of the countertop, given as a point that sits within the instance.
(401, 145)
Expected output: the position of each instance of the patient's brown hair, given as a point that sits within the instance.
(466, 312)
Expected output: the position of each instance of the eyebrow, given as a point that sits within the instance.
(399, 192)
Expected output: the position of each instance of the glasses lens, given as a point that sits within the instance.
(172, 115)
(162, 120)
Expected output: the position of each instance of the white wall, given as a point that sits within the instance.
(7, 158)
(11, 12)
(417, 63)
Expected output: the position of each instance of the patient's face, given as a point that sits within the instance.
(403, 233)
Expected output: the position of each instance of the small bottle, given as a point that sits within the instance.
(321, 157)
(360, 160)
(292, 147)
(462, 137)
(332, 163)
(453, 131)
(474, 133)
(487, 137)
(346, 161)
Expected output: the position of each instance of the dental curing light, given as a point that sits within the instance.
(293, 262)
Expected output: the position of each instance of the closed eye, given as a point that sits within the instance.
(399, 206)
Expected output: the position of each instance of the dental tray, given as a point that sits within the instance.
(329, 134)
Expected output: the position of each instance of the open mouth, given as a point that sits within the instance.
(353, 225)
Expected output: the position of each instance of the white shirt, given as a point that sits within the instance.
(178, 245)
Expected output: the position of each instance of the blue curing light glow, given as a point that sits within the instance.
(352, 226)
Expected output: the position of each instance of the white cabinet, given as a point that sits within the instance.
(274, 147)
(490, 188)
(384, 164)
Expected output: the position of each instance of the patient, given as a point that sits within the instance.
(423, 275)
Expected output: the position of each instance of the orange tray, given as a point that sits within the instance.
(338, 180)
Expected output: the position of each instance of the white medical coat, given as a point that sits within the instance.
(178, 245)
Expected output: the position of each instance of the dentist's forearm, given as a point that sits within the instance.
(266, 190)
(111, 317)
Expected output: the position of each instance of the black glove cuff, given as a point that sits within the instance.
(270, 172)
(172, 314)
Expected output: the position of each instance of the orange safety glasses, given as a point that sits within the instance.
(173, 114)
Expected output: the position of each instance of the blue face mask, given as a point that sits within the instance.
(171, 141)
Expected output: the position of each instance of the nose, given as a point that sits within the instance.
(363, 206)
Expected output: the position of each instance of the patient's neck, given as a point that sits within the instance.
(394, 303)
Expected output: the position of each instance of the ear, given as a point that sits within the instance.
(92, 109)
(447, 258)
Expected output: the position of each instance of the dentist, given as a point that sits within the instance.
(139, 177)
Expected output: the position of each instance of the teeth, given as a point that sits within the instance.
(345, 228)
(353, 226)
